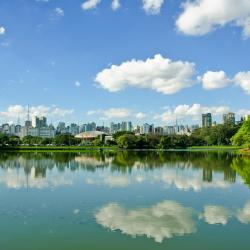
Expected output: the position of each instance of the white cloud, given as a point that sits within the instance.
(77, 84)
(59, 12)
(117, 113)
(243, 215)
(194, 111)
(90, 4)
(215, 215)
(115, 4)
(2, 30)
(200, 17)
(140, 115)
(243, 112)
(214, 80)
(93, 112)
(158, 73)
(112, 113)
(15, 111)
(163, 220)
(152, 7)
(242, 79)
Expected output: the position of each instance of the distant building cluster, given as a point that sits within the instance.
(39, 127)
(228, 118)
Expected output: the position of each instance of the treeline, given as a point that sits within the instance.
(220, 135)
(59, 140)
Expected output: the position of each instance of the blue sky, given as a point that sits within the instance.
(47, 48)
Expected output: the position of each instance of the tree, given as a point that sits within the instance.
(242, 137)
(165, 142)
(97, 142)
(127, 141)
(65, 140)
(120, 133)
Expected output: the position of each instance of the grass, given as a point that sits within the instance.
(57, 148)
(216, 147)
(116, 148)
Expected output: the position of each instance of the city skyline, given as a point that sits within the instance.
(39, 127)
(214, 119)
(123, 60)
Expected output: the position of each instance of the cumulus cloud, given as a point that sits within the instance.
(152, 7)
(163, 220)
(214, 80)
(157, 73)
(194, 111)
(90, 4)
(243, 215)
(115, 4)
(2, 30)
(14, 111)
(242, 79)
(200, 17)
(215, 215)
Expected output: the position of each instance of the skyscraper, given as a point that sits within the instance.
(206, 120)
(39, 122)
(229, 118)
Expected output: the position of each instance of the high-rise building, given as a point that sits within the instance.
(74, 129)
(229, 118)
(61, 128)
(206, 120)
(39, 122)
(168, 130)
(159, 130)
(147, 128)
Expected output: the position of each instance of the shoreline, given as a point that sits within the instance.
(65, 149)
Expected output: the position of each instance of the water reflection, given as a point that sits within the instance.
(163, 220)
(183, 170)
(243, 215)
(159, 195)
(166, 219)
(215, 215)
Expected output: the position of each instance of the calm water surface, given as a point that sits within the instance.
(124, 200)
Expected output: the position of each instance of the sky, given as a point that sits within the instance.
(143, 61)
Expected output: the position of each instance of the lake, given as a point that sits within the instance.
(124, 200)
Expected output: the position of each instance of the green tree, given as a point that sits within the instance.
(127, 141)
(120, 133)
(65, 140)
(97, 142)
(242, 137)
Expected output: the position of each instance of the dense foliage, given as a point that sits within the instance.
(242, 137)
(216, 135)
(59, 140)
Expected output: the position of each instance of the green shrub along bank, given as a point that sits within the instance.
(217, 136)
